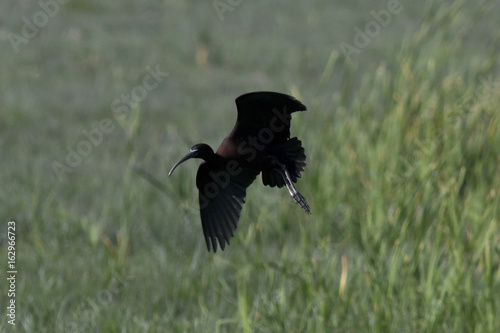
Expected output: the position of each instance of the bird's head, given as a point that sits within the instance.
(200, 150)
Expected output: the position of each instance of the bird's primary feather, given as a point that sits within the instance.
(221, 198)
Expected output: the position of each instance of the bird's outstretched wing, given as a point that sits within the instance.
(265, 111)
(221, 195)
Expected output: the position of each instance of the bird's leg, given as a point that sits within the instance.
(296, 196)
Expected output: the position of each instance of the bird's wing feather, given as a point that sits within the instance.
(265, 110)
(221, 197)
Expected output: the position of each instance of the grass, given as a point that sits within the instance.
(403, 146)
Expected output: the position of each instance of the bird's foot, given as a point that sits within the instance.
(301, 201)
(296, 196)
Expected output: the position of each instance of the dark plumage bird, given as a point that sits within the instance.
(260, 142)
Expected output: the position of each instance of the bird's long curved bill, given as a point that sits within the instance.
(185, 158)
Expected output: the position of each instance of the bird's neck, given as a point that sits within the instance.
(214, 159)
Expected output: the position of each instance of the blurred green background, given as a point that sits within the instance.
(402, 139)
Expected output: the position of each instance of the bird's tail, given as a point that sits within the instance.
(291, 155)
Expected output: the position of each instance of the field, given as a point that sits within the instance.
(402, 137)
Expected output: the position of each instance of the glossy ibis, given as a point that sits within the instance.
(259, 142)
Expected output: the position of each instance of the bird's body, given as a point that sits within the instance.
(259, 142)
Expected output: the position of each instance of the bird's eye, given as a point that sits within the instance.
(192, 150)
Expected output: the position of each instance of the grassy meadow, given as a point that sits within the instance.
(402, 137)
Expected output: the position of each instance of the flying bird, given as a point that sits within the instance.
(259, 142)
